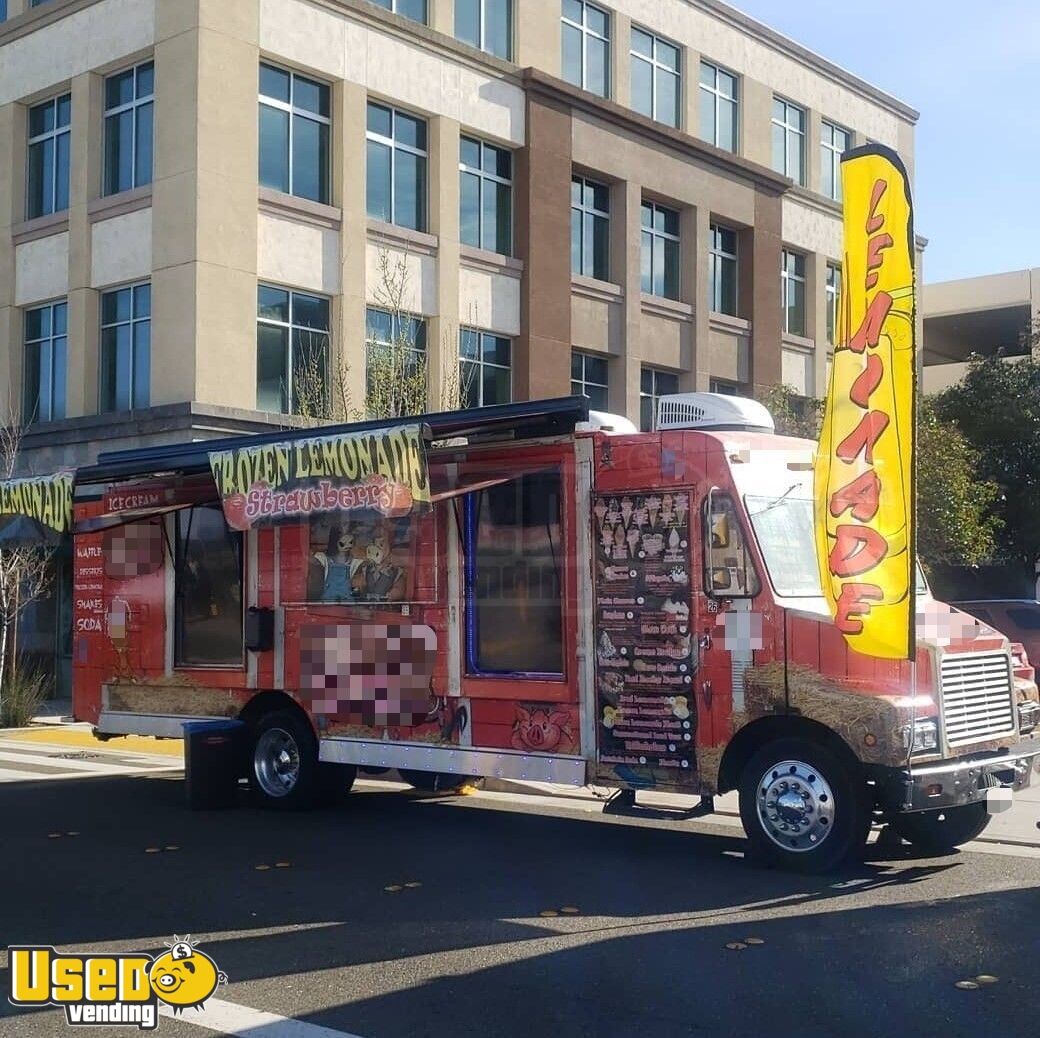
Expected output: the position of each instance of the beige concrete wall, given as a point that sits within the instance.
(92, 38)
(298, 255)
(489, 300)
(41, 269)
(121, 249)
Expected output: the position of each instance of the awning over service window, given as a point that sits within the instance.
(35, 510)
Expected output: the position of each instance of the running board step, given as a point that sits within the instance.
(623, 802)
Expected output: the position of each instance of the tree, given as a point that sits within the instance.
(25, 576)
(955, 519)
(956, 524)
(396, 367)
(996, 407)
(793, 414)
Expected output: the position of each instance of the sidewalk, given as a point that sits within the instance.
(81, 736)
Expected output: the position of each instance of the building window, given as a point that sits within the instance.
(722, 270)
(833, 141)
(724, 387)
(46, 347)
(292, 351)
(653, 385)
(832, 289)
(789, 140)
(208, 583)
(129, 113)
(590, 228)
(294, 134)
(3, 10)
(414, 9)
(660, 250)
(656, 77)
(395, 364)
(486, 196)
(589, 378)
(396, 167)
(48, 180)
(484, 368)
(126, 340)
(792, 291)
(719, 101)
(486, 25)
(586, 46)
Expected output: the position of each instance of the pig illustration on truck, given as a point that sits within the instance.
(531, 592)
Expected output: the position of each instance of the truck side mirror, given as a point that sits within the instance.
(721, 579)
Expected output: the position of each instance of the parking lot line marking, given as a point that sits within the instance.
(68, 764)
(237, 1021)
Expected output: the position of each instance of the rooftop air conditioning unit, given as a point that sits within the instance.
(712, 411)
(604, 421)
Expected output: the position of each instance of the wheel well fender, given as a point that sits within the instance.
(266, 703)
(751, 737)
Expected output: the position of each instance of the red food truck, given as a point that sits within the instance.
(520, 591)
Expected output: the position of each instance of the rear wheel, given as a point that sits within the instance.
(803, 807)
(936, 832)
(285, 771)
(434, 781)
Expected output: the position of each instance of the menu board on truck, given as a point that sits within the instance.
(645, 658)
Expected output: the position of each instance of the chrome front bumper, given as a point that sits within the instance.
(953, 783)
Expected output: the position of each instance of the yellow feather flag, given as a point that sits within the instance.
(864, 477)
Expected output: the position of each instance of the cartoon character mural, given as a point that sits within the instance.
(545, 729)
(338, 564)
(368, 559)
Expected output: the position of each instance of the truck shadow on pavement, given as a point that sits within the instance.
(471, 939)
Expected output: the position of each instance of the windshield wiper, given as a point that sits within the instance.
(773, 504)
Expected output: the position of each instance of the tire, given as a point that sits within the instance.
(939, 832)
(826, 808)
(434, 781)
(284, 770)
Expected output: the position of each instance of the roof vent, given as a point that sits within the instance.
(712, 411)
(603, 421)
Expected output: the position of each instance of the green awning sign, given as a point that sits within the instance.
(45, 499)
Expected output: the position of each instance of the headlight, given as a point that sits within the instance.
(1028, 716)
(926, 735)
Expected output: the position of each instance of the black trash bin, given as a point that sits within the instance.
(214, 759)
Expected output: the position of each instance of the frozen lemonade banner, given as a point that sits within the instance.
(382, 470)
(864, 469)
(47, 499)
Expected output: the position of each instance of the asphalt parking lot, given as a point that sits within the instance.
(475, 939)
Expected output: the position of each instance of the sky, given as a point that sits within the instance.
(973, 72)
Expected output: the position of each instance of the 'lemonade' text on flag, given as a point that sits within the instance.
(864, 468)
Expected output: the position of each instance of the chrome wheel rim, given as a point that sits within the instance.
(795, 806)
(276, 762)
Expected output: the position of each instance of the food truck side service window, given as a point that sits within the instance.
(729, 570)
(208, 589)
(514, 566)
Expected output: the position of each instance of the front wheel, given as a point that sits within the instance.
(937, 832)
(803, 807)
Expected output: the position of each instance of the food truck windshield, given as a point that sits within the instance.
(783, 528)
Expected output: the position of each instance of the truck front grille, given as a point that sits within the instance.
(978, 697)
